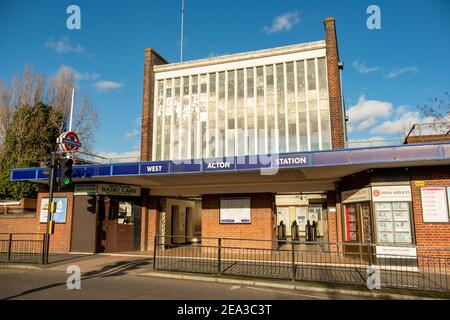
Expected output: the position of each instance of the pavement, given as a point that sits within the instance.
(132, 277)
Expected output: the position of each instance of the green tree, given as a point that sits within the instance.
(32, 116)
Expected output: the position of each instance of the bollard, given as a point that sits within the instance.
(9, 247)
(293, 260)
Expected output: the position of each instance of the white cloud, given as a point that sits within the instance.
(63, 46)
(106, 85)
(362, 68)
(131, 134)
(79, 76)
(127, 156)
(401, 125)
(367, 113)
(283, 22)
(401, 71)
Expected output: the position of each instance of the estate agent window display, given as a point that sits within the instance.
(392, 213)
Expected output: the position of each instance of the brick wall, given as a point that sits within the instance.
(60, 240)
(332, 217)
(261, 226)
(149, 220)
(151, 59)
(334, 85)
(428, 138)
(429, 234)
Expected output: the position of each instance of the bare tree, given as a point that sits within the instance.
(31, 89)
(438, 109)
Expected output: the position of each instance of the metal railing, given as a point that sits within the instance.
(21, 247)
(373, 143)
(330, 262)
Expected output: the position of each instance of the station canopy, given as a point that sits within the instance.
(288, 172)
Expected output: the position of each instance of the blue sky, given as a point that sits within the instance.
(388, 72)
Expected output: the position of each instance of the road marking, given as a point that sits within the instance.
(289, 293)
(235, 287)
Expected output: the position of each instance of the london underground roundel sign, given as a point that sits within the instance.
(69, 141)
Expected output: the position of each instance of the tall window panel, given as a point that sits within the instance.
(250, 111)
(221, 115)
(270, 98)
(324, 105)
(281, 108)
(176, 144)
(291, 115)
(260, 129)
(184, 118)
(195, 110)
(312, 103)
(240, 112)
(159, 118)
(203, 114)
(167, 118)
(212, 115)
(301, 102)
(231, 113)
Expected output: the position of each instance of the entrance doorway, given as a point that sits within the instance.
(118, 227)
(358, 224)
(301, 208)
(181, 221)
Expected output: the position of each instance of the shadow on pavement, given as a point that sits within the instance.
(119, 268)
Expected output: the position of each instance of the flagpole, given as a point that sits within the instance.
(182, 25)
(71, 109)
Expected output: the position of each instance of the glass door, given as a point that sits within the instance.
(351, 223)
(364, 210)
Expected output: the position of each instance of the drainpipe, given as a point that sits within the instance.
(344, 122)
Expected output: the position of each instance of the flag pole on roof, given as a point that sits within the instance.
(182, 25)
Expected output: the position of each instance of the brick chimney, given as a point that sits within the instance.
(334, 85)
(151, 59)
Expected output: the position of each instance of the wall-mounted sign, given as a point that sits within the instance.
(357, 195)
(60, 214)
(391, 194)
(420, 183)
(291, 161)
(434, 204)
(85, 189)
(300, 213)
(235, 210)
(118, 190)
(155, 168)
(394, 252)
(218, 165)
(283, 215)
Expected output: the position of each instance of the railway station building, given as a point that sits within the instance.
(235, 145)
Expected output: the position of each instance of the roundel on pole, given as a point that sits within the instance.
(69, 141)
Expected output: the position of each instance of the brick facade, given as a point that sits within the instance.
(149, 220)
(151, 59)
(428, 138)
(429, 234)
(261, 226)
(60, 241)
(334, 85)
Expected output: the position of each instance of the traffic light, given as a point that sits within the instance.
(66, 171)
(92, 204)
